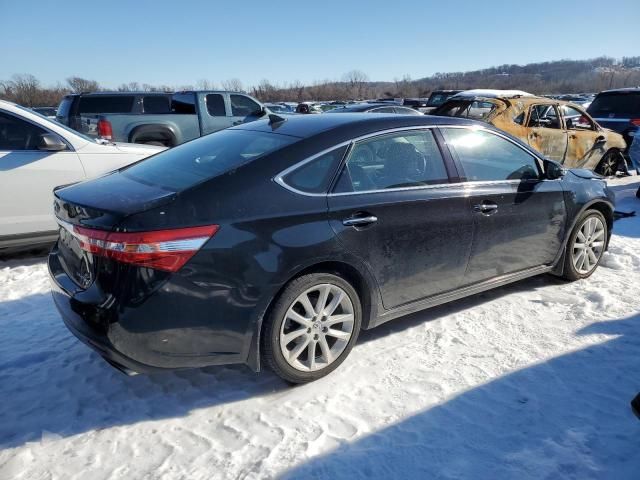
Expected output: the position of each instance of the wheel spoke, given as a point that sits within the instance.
(585, 262)
(338, 334)
(344, 318)
(322, 298)
(581, 236)
(326, 351)
(335, 301)
(579, 246)
(592, 256)
(597, 234)
(306, 303)
(293, 335)
(296, 317)
(311, 355)
(298, 349)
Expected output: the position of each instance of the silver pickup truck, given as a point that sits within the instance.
(156, 118)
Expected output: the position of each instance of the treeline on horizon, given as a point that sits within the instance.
(563, 76)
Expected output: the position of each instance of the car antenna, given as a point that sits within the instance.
(273, 119)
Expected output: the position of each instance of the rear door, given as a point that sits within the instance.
(28, 177)
(394, 207)
(545, 132)
(582, 147)
(519, 217)
(214, 115)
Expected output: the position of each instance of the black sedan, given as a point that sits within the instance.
(379, 107)
(277, 241)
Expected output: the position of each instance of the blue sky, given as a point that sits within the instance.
(181, 42)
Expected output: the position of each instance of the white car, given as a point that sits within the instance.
(37, 155)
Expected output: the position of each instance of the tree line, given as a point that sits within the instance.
(563, 76)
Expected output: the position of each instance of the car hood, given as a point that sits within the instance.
(139, 149)
(584, 173)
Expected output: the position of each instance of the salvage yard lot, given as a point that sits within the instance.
(532, 380)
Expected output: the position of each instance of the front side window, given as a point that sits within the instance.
(485, 156)
(543, 116)
(403, 159)
(16, 134)
(315, 175)
(574, 119)
(242, 106)
(215, 105)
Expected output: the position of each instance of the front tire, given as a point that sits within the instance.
(311, 328)
(586, 246)
(609, 164)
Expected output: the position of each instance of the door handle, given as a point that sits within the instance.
(486, 208)
(359, 221)
(238, 122)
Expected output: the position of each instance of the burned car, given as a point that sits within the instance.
(561, 131)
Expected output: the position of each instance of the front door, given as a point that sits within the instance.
(519, 217)
(393, 207)
(545, 132)
(213, 113)
(28, 177)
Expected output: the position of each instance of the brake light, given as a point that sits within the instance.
(636, 121)
(104, 129)
(166, 250)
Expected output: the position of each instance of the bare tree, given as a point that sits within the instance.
(23, 89)
(356, 80)
(204, 84)
(232, 85)
(79, 84)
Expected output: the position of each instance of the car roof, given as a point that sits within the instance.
(305, 126)
(622, 90)
(491, 93)
(361, 107)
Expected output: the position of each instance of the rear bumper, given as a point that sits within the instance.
(138, 340)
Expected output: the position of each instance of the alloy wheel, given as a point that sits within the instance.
(317, 327)
(588, 245)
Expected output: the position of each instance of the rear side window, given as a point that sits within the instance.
(475, 109)
(315, 175)
(242, 106)
(204, 158)
(156, 104)
(183, 103)
(397, 160)
(215, 105)
(614, 105)
(106, 104)
(488, 157)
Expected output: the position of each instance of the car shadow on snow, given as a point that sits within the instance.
(51, 383)
(568, 417)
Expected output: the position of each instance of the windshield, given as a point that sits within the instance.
(57, 124)
(475, 109)
(437, 99)
(204, 158)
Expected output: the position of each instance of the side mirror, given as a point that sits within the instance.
(51, 143)
(601, 139)
(553, 170)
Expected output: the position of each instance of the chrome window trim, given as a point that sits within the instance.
(279, 178)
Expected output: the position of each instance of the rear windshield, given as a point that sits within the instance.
(616, 105)
(194, 162)
(106, 104)
(475, 109)
(63, 108)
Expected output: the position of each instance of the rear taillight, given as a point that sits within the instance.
(165, 250)
(636, 121)
(104, 129)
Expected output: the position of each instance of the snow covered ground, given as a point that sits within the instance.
(528, 381)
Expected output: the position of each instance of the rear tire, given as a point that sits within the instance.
(311, 328)
(586, 246)
(610, 163)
